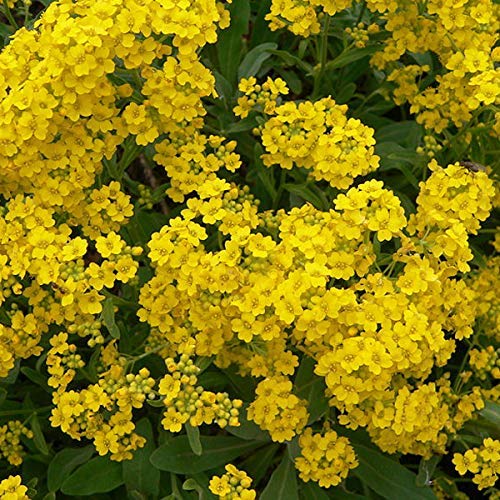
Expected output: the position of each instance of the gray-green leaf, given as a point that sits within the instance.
(64, 463)
(387, 477)
(176, 455)
(283, 482)
(99, 475)
(138, 473)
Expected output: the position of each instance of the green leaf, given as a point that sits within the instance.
(136, 495)
(265, 180)
(138, 474)
(491, 412)
(64, 463)
(426, 470)
(108, 318)
(223, 88)
(387, 477)
(350, 56)
(346, 495)
(311, 491)
(290, 60)
(130, 152)
(258, 463)
(12, 375)
(142, 225)
(176, 455)
(247, 429)
(293, 448)
(346, 92)
(395, 157)
(422, 59)
(200, 485)
(230, 41)
(244, 386)
(98, 475)
(5, 32)
(260, 26)
(3, 396)
(193, 434)
(405, 133)
(306, 193)
(252, 62)
(292, 80)
(311, 388)
(283, 482)
(38, 437)
(242, 125)
(36, 377)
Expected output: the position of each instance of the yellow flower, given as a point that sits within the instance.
(108, 245)
(12, 489)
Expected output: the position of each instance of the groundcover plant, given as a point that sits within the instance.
(248, 249)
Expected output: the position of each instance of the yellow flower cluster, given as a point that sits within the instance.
(188, 402)
(62, 362)
(451, 204)
(277, 410)
(485, 363)
(360, 34)
(19, 339)
(12, 489)
(261, 97)
(418, 421)
(319, 136)
(10, 441)
(463, 37)
(325, 458)
(482, 461)
(430, 147)
(301, 17)
(485, 285)
(101, 411)
(233, 485)
(192, 161)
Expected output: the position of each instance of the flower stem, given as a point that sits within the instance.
(9, 16)
(323, 53)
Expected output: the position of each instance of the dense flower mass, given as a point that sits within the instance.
(197, 246)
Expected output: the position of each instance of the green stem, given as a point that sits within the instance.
(118, 301)
(323, 53)
(361, 12)
(9, 16)
(26, 14)
(146, 354)
(458, 381)
(279, 192)
(8, 413)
